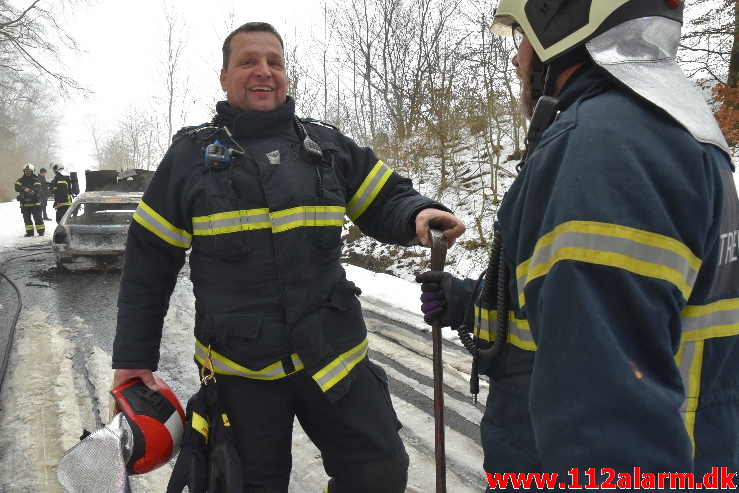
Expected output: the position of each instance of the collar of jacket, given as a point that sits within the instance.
(582, 80)
(257, 124)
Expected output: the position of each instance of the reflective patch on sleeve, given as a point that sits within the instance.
(519, 332)
(369, 189)
(640, 252)
(339, 368)
(718, 319)
(148, 218)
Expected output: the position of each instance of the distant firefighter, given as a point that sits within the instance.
(62, 188)
(28, 188)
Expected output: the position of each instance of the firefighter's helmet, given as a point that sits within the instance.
(29, 167)
(157, 422)
(556, 27)
(57, 167)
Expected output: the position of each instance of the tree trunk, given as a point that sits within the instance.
(733, 78)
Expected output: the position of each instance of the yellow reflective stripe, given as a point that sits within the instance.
(226, 422)
(689, 360)
(519, 332)
(148, 218)
(341, 366)
(718, 319)
(279, 221)
(200, 424)
(230, 222)
(307, 216)
(641, 252)
(225, 366)
(368, 190)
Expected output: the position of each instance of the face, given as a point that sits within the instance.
(523, 60)
(255, 79)
(27, 172)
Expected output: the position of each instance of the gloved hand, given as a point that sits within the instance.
(436, 290)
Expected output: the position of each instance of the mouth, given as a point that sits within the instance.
(261, 89)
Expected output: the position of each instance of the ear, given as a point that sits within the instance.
(223, 79)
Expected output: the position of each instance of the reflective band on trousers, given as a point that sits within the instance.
(368, 191)
(225, 366)
(251, 219)
(519, 333)
(148, 218)
(634, 250)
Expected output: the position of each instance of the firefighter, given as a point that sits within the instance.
(44, 195)
(28, 188)
(259, 197)
(607, 320)
(62, 188)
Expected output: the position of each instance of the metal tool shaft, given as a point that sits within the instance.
(439, 245)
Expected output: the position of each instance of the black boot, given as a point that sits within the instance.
(29, 233)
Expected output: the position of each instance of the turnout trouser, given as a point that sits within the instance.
(31, 215)
(358, 435)
(60, 212)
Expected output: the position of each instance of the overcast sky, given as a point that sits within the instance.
(123, 41)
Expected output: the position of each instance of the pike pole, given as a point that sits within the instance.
(439, 245)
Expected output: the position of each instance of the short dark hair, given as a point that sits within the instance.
(249, 27)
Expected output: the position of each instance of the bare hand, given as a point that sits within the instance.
(435, 218)
(122, 376)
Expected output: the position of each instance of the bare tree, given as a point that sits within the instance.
(32, 36)
(175, 81)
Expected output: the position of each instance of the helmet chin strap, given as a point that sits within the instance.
(539, 76)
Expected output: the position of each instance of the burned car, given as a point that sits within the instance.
(92, 234)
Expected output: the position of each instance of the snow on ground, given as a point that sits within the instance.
(45, 402)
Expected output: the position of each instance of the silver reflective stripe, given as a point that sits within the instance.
(230, 222)
(252, 219)
(690, 362)
(636, 251)
(369, 189)
(307, 216)
(341, 366)
(718, 319)
(519, 332)
(155, 223)
(225, 366)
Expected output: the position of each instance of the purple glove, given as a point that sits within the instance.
(436, 289)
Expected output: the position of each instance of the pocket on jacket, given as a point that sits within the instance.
(239, 325)
(332, 195)
(229, 241)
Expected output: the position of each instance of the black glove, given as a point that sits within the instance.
(436, 290)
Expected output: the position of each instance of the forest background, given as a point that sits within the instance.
(422, 82)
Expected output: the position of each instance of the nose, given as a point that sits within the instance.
(514, 60)
(262, 69)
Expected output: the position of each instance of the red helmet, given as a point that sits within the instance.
(157, 422)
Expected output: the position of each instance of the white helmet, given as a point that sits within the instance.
(57, 167)
(29, 166)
